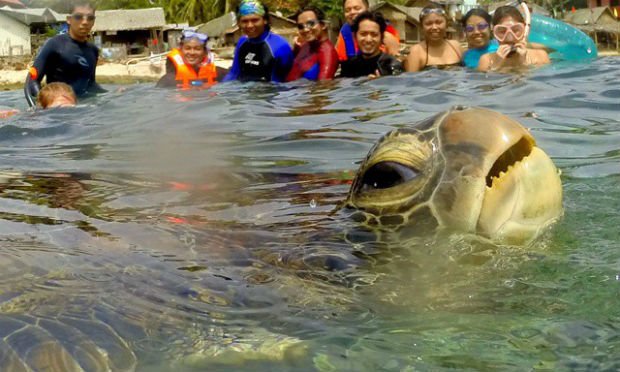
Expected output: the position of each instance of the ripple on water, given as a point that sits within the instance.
(159, 225)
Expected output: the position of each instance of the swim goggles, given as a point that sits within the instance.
(429, 11)
(479, 26)
(516, 29)
(189, 34)
(307, 26)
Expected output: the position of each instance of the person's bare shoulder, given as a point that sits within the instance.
(540, 56)
(414, 59)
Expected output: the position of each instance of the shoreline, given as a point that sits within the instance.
(123, 74)
(107, 73)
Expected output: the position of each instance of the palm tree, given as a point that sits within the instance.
(195, 11)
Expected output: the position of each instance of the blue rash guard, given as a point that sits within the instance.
(268, 57)
(65, 60)
(472, 56)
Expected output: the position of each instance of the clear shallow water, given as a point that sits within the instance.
(164, 230)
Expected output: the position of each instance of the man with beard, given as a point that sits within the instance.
(369, 28)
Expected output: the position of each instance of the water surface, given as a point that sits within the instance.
(157, 229)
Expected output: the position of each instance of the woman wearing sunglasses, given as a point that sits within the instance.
(315, 56)
(435, 51)
(510, 30)
(346, 45)
(477, 27)
(191, 65)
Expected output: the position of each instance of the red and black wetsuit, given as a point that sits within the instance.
(315, 60)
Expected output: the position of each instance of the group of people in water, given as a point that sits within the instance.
(367, 46)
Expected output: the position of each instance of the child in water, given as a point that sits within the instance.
(56, 95)
(51, 95)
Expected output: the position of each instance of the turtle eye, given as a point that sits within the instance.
(387, 174)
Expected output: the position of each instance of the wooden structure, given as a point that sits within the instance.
(406, 20)
(136, 31)
(599, 23)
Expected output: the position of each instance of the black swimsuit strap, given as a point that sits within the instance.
(447, 64)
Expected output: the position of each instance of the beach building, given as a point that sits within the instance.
(600, 23)
(129, 32)
(406, 20)
(14, 36)
(218, 28)
(22, 31)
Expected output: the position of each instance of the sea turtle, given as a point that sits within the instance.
(468, 169)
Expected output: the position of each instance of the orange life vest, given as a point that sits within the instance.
(187, 76)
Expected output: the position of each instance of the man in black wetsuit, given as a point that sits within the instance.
(369, 28)
(68, 58)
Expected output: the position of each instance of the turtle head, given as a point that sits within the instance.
(468, 169)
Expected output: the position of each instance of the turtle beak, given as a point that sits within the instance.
(507, 188)
(509, 158)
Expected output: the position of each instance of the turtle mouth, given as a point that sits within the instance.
(515, 154)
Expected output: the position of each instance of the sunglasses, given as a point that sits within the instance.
(306, 26)
(480, 27)
(428, 11)
(80, 17)
(516, 29)
(189, 34)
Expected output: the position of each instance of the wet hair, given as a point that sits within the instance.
(507, 11)
(51, 91)
(317, 12)
(376, 17)
(79, 3)
(432, 8)
(363, 1)
(476, 12)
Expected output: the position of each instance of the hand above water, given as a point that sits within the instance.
(505, 50)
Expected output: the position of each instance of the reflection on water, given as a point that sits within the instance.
(156, 229)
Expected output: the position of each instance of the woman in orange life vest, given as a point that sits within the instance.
(346, 45)
(191, 65)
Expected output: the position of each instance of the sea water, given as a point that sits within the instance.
(196, 231)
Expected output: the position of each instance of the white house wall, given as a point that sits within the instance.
(14, 37)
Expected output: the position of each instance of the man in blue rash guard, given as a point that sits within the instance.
(260, 54)
(68, 58)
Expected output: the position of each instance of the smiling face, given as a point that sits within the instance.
(434, 27)
(252, 25)
(309, 27)
(352, 8)
(193, 51)
(469, 169)
(369, 38)
(81, 22)
(477, 32)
